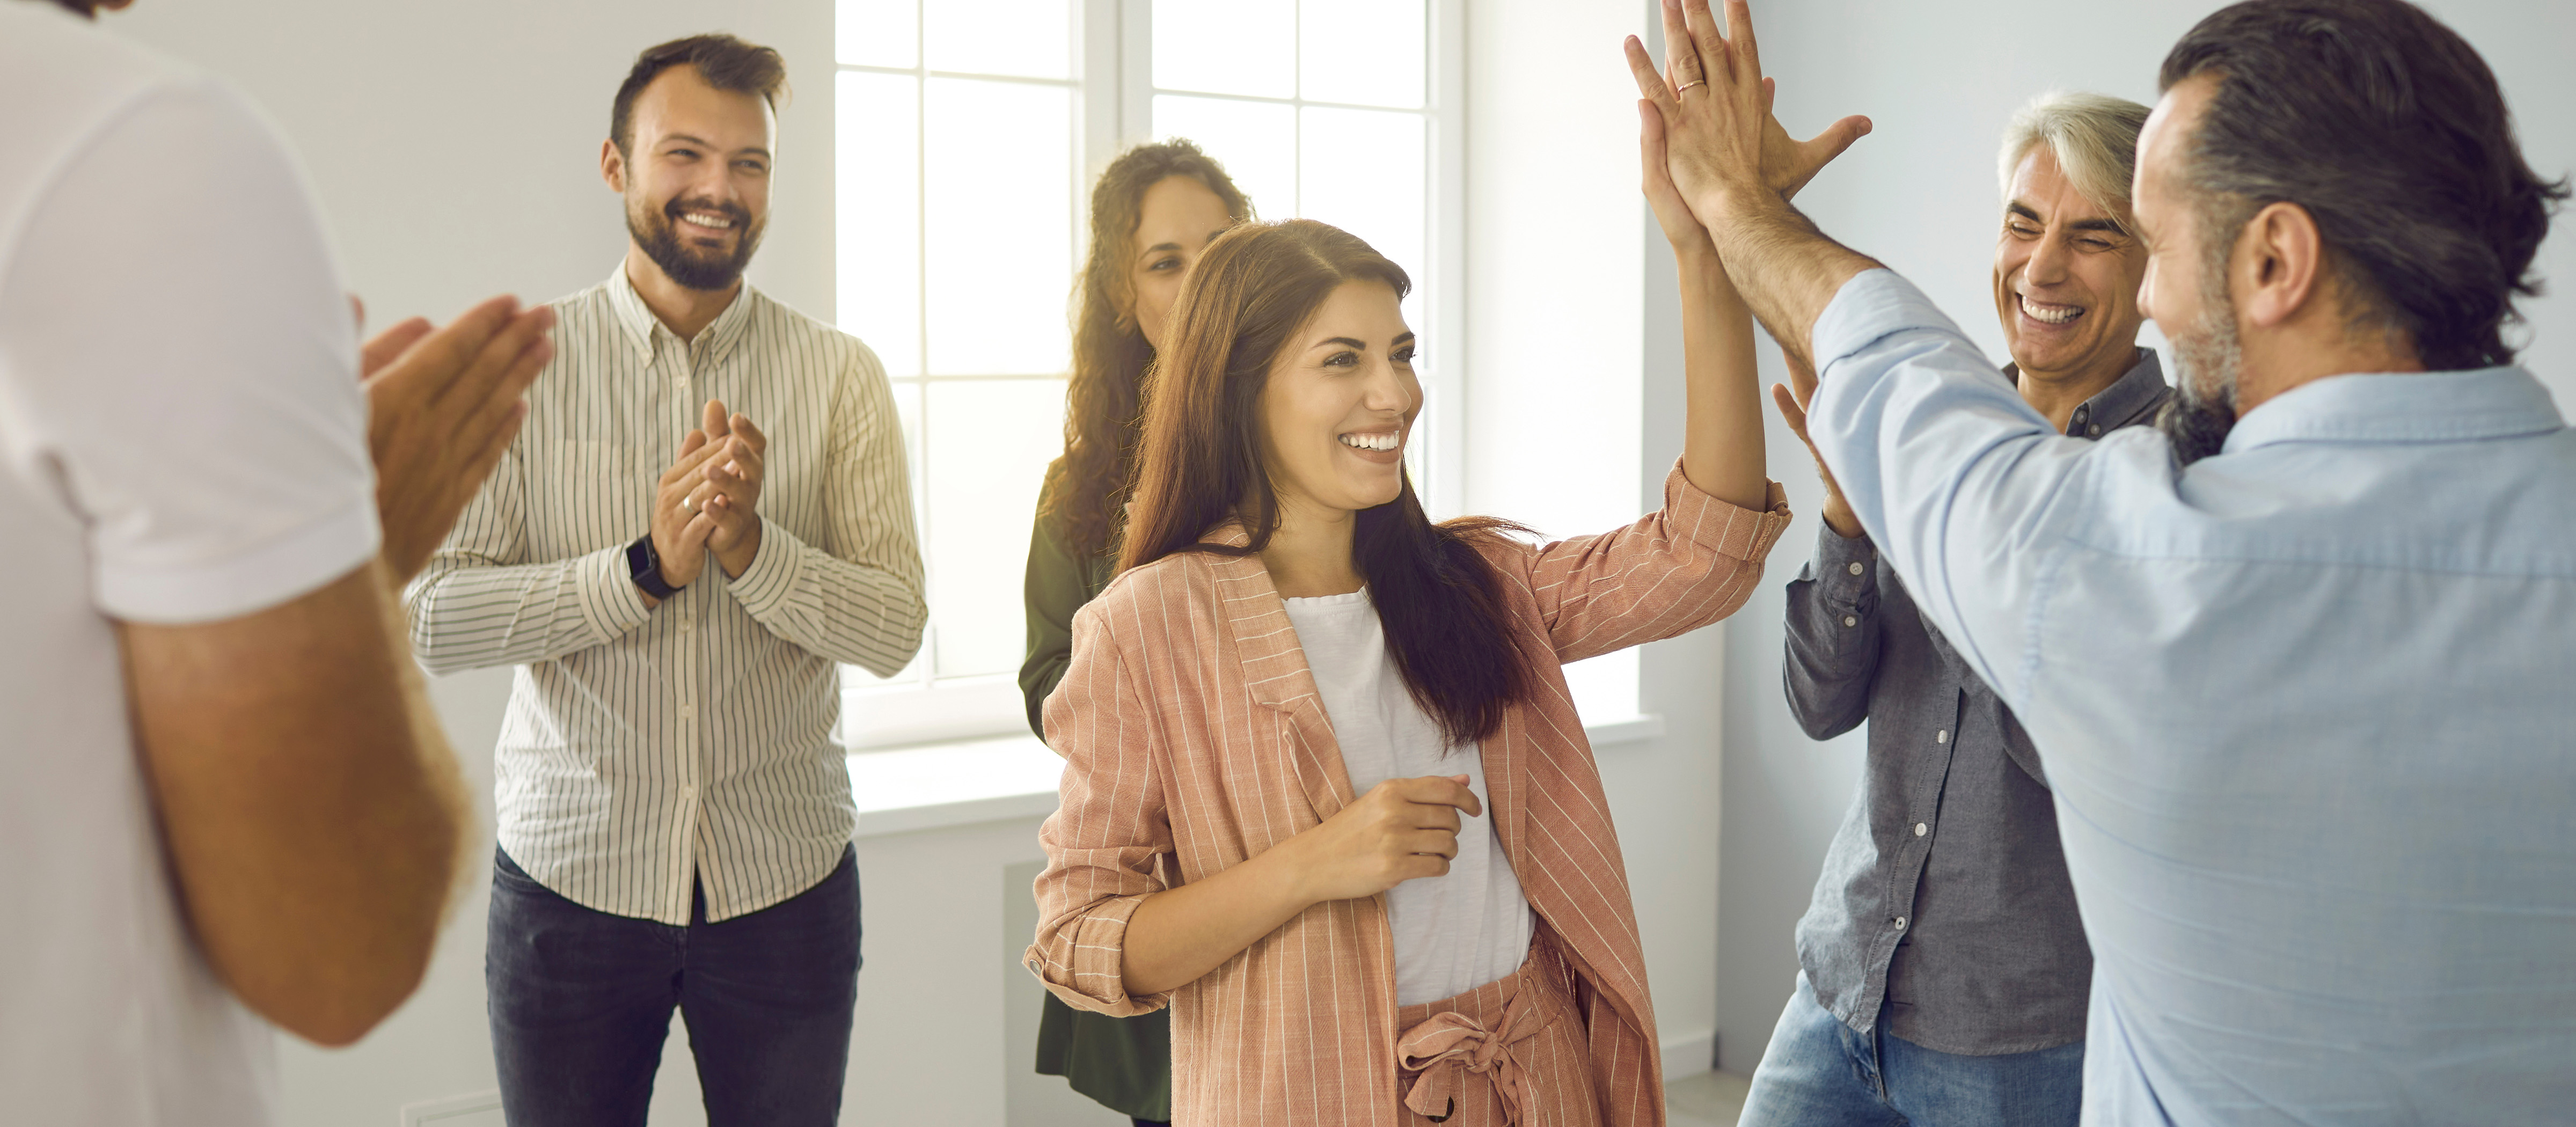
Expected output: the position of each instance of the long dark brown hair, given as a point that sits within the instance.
(1199, 466)
(1086, 488)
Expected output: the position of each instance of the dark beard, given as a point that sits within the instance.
(2196, 427)
(2196, 423)
(659, 235)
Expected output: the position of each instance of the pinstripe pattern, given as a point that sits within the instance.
(643, 746)
(1191, 727)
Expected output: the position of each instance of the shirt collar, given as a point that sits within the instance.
(637, 321)
(2407, 407)
(2138, 392)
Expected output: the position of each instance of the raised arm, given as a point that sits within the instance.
(1942, 464)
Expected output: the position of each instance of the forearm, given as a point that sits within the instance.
(1179, 935)
(313, 813)
(1722, 448)
(1786, 268)
(467, 616)
(853, 613)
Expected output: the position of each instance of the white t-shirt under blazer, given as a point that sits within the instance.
(1453, 933)
(182, 439)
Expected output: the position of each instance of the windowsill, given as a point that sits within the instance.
(1007, 778)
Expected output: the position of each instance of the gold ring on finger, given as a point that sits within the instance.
(1677, 92)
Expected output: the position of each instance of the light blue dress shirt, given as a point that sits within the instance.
(2308, 706)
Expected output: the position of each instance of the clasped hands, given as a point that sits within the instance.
(709, 499)
(1711, 145)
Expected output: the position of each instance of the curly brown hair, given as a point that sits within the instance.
(1087, 488)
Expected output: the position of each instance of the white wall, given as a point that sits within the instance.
(1920, 195)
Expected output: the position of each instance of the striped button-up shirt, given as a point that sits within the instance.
(645, 747)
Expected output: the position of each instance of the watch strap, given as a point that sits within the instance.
(644, 566)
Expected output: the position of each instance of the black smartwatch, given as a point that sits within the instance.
(644, 566)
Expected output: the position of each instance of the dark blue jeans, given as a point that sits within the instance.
(1818, 1073)
(581, 1001)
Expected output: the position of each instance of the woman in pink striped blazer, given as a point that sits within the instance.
(1325, 793)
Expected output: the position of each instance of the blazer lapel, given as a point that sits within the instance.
(1275, 671)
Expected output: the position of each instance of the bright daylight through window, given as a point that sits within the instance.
(965, 149)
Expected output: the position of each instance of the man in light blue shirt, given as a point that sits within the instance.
(2301, 667)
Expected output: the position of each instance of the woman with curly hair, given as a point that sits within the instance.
(1154, 210)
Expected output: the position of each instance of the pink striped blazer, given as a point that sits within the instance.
(1194, 739)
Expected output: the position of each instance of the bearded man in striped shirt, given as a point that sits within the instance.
(677, 584)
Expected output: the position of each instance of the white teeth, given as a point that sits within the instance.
(704, 220)
(1372, 441)
(2047, 314)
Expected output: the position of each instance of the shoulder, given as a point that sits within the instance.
(1179, 586)
(74, 85)
(782, 325)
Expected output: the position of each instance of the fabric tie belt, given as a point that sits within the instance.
(1447, 1045)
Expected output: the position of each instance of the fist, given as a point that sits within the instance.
(1401, 829)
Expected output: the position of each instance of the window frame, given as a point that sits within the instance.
(1114, 40)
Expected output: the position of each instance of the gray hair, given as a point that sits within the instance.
(2093, 136)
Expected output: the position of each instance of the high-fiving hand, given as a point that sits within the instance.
(442, 407)
(1711, 118)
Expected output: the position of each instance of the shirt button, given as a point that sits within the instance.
(688, 712)
(687, 625)
(1900, 923)
(1850, 621)
(1857, 569)
(2094, 431)
(1941, 737)
(1921, 829)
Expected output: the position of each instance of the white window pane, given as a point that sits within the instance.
(1361, 171)
(907, 411)
(989, 445)
(1256, 141)
(1367, 52)
(875, 33)
(1226, 46)
(1033, 38)
(878, 215)
(1000, 219)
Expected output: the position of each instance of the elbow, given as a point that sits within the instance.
(337, 1019)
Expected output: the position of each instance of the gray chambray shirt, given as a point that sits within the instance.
(1944, 894)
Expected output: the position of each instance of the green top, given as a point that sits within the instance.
(1124, 1063)
(1058, 585)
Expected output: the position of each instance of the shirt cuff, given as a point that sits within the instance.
(1846, 569)
(1726, 529)
(610, 601)
(764, 586)
(1872, 306)
(1099, 970)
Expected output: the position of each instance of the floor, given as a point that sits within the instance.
(1710, 1099)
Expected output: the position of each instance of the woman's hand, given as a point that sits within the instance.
(1401, 829)
(1793, 402)
(1715, 107)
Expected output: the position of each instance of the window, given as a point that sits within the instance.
(968, 136)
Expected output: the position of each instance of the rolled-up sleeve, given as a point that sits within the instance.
(1954, 477)
(1679, 568)
(1832, 636)
(1103, 839)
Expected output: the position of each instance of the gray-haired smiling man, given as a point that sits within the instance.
(1942, 953)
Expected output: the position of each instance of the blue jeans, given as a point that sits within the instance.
(581, 1001)
(1818, 1073)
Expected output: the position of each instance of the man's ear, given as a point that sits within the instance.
(612, 166)
(2280, 265)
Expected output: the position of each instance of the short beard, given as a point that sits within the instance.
(2208, 359)
(659, 236)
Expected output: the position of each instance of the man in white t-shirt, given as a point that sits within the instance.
(221, 792)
